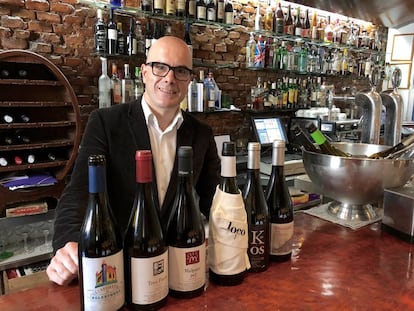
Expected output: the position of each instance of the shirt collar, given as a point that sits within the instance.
(151, 119)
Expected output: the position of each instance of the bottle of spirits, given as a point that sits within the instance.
(100, 34)
(148, 36)
(139, 37)
(250, 51)
(138, 84)
(180, 12)
(127, 85)
(279, 22)
(191, 8)
(112, 34)
(116, 88)
(104, 86)
(101, 262)
(323, 143)
(257, 212)
(158, 7)
(280, 207)
(187, 38)
(146, 251)
(258, 19)
(268, 17)
(186, 235)
(228, 230)
(228, 13)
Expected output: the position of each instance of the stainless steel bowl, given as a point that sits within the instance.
(355, 182)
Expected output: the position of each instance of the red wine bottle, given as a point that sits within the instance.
(186, 235)
(146, 251)
(228, 231)
(280, 207)
(101, 265)
(257, 212)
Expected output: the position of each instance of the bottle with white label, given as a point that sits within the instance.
(101, 260)
(186, 235)
(146, 252)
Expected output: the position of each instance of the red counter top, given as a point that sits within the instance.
(332, 268)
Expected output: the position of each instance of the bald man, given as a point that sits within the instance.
(154, 122)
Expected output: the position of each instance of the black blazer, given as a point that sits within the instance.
(117, 132)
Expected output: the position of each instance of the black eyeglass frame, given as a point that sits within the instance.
(173, 68)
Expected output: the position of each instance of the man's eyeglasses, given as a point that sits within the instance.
(181, 73)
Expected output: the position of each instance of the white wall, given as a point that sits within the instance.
(406, 94)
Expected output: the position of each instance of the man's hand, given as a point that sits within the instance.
(63, 267)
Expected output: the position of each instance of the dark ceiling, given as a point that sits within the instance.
(389, 13)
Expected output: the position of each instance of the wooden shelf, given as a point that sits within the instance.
(29, 82)
(39, 145)
(35, 104)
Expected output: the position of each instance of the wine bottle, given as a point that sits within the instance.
(191, 8)
(185, 235)
(228, 13)
(21, 137)
(146, 6)
(388, 152)
(289, 28)
(138, 84)
(279, 20)
(170, 7)
(148, 37)
(257, 212)
(7, 118)
(146, 251)
(180, 12)
(132, 43)
(121, 42)
(104, 86)
(306, 28)
(220, 11)
(158, 6)
(18, 160)
(323, 143)
(112, 34)
(187, 38)
(116, 89)
(100, 34)
(280, 207)
(100, 249)
(298, 23)
(303, 140)
(31, 158)
(3, 161)
(8, 140)
(211, 11)
(127, 85)
(24, 118)
(201, 10)
(228, 230)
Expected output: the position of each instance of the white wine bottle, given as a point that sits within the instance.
(101, 261)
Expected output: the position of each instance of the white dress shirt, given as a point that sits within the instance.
(163, 146)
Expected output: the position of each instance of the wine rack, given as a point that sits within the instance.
(34, 87)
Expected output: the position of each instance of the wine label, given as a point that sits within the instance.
(281, 238)
(228, 234)
(187, 270)
(149, 279)
(103, 282)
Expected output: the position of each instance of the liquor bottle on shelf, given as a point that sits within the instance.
(186, 235)
(191, 8)
(220, 11)
(100, 34)
(121, 39)
(138, 84)
(112, 34)
(127, 85)
(228, 230)
(257, 212)
(250, 51)
(228, 13)
(268, 17)
(187, 38)
(145, 247)
(258, 23)
(211, 11)
(323, 143)
(156, 32)
(132, 43)
(21, 137)
(116, 88)
(30, 158)
(300, 137)
(139, 37)
(280, 207)
(201, 10)
(104, 86)
(148, 36)
(158, 7)
(24, 118)
(100, 247)
(279, 22)
(406, 142)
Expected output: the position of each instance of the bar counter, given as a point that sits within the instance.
(332, 268)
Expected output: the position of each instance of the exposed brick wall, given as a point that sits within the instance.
(62, 31)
